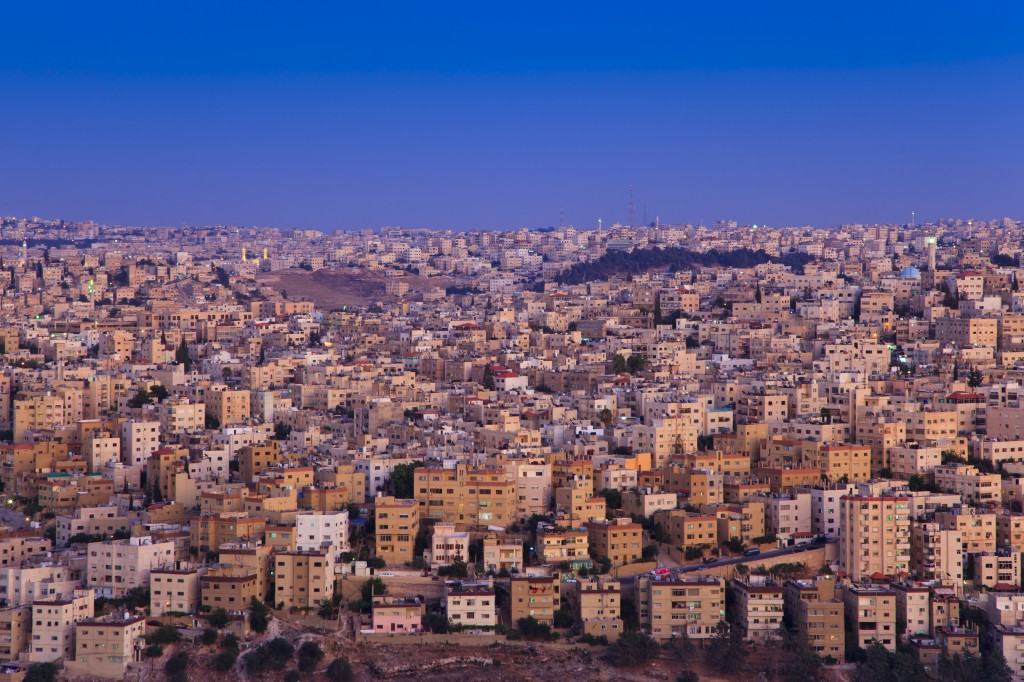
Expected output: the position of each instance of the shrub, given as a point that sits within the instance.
(219, 619)
(632, 649)
(153, 651)
(208, 636)
(274, 655)
(229, 642)
(310, 655)
(165, 634)
(225, 660)
(259, 615)
(339, 671)
(42, 672)
(176, 666)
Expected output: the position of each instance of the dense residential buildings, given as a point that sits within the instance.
(494, 427)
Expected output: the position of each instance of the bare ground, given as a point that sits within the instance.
(332, 288)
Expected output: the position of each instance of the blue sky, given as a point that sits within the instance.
(499, 115)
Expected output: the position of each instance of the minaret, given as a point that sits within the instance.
(931, 253)
(264, 253)
(244, 258)
(24, 251)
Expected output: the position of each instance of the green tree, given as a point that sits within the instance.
(606, 417)
(632, 649)
(636, 363)
(726, 650)
(42, 672)
(309, 656)
(176, 667)
(219, 619)
(402, 482)
(612, 498)
(259, 615)
(488, 380)
(182, 357)
(340, 670)
(373, 587)
(619, 364)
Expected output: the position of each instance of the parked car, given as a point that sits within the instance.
(752, 551)
(709, 559)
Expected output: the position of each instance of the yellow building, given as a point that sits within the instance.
(228, 587)
(303, 579)
(692, 606)
(398, 522)
(106, 647)
(619, 541)
(174, 589)
(874, 536)
(598, 603)
(537, 597)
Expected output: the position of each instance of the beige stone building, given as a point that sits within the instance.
(871, 615)
(106, 647)
(116, 566)
(537, 597)
(874, 536)
(53, 626)
(398, 522)
(818, 615)
(693, 605)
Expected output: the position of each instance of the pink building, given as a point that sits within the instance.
(394, 614)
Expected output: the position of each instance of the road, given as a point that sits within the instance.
(740, 559)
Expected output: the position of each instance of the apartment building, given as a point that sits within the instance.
(503, 554)
(598, 606)
(935, 553)
(534, 596)
(53, 626)
(398, 522)
(618, 541)
(228, 587)
(116, 566)
(978, 529)
(397, 614)
(812, 606)
(319, 530)
(446, 545)
(471, 605)
(303, 579)
(874, 536)
(759, 607)
(669, 607)
(871, 615)
(105, 647)
(175, 588)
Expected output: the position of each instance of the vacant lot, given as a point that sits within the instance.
(331, 289)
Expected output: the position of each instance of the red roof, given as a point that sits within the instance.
(877, 576)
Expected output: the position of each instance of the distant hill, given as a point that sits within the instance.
(621, 263)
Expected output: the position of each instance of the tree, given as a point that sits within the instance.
(259, 615)
(165, 634)
(219, 619)
(282, 431)
(182, 357)
(632, 649)
(159, 393)
(488, 380)
(606, 417)
(688, 676)
(681, 646)
(636, 363)
(340, 670)
(42, 672)
(612, 498)
(208, 636)
(373, 587)
(726, 651)
(619, 364)
(225, 660)
(176, 667)
(563, 617)
(456, 569)
(401, 481)
(877, 664)
(310, 655)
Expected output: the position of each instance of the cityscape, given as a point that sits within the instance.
(481, 342)
(651, 452)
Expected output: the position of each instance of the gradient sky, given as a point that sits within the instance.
(498, 115)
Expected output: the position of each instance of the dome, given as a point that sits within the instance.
(910, 272)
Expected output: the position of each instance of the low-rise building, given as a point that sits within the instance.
(397, 614)
(106, 647)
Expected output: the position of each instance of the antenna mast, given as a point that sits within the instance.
(632, 207)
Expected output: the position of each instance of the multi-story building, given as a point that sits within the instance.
(303, 579)
(759, 607)
(691, 605)
(231, 588)
(174, 589)
(398, 522)
(537, 597)
(53, 626)
(598, 606)
(471, 605)
(319, 530)
(503, 554)
(105, 647)
(619, 541)
(871, 615)
(813, 608)
(936, 554)
(874, 536)
(116, 566)
(446, 546)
